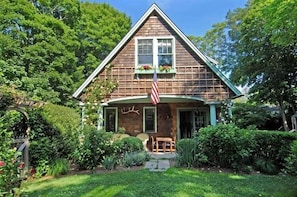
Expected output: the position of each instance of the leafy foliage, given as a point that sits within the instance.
(247, 115)
(6, 99)
(185, 149)
(94, 147)
(226, 115)
(48, 48)
(291, 160)
(59, 167)
(226, 145)
(100, 88)
(266, 166)
(61, 118)
(257, 47)
(273, 147)
(135, 158)
(128, 144)
(109, 162)
(9, 178)
(47, 142)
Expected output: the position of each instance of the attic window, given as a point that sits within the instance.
(155, 53)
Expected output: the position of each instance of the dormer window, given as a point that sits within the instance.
(155, 53)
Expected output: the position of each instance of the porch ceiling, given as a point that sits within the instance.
(163, 99)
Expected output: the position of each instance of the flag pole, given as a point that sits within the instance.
(155, 99)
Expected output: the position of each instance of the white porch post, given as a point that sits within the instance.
(100, 112)
(82, 105)
(100, 117)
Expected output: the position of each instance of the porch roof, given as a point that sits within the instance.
(163, 99)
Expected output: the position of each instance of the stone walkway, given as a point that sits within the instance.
(159, 161)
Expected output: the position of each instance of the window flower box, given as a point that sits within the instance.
(148, 69)
(145, 67)
(165, 68)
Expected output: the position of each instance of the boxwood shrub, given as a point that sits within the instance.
(291, 160)
(128, 144)
(273, 147)
(225, 145)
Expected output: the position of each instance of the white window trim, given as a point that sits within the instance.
(116, 117)
(155, 51)
(155, 120)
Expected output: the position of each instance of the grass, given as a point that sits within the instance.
(174, 182)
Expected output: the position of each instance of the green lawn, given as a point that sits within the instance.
(173, 182)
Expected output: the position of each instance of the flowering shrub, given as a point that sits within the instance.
(226, 116)
(10, 169)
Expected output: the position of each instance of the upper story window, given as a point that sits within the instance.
(145, 52)
(154, 53)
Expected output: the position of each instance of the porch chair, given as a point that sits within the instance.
(144, 138)
(173, 144)
(154, 144)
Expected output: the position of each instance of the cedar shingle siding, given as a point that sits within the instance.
(192, 78)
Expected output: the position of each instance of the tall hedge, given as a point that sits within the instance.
(228, 146)
(273, 147)
(61, 118)
(53, 135)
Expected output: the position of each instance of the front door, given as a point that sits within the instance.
(186, 124)
(191, 120)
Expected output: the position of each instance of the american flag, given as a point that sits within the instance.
(155, 90)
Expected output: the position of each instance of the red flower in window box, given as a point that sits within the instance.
(145, 67)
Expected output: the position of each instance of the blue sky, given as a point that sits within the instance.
(193, 17)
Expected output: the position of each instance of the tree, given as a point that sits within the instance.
(41, 50)
(258, 58)
(49, 47)
(280, 21)
(214, 44)
(270, 68)
(100, 28)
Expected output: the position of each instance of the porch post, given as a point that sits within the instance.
(213, 115)
(82, 105)
(100, 111)
(100, 117)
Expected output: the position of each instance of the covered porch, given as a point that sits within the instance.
(176, 117)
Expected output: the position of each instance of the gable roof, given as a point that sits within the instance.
(209, 62)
